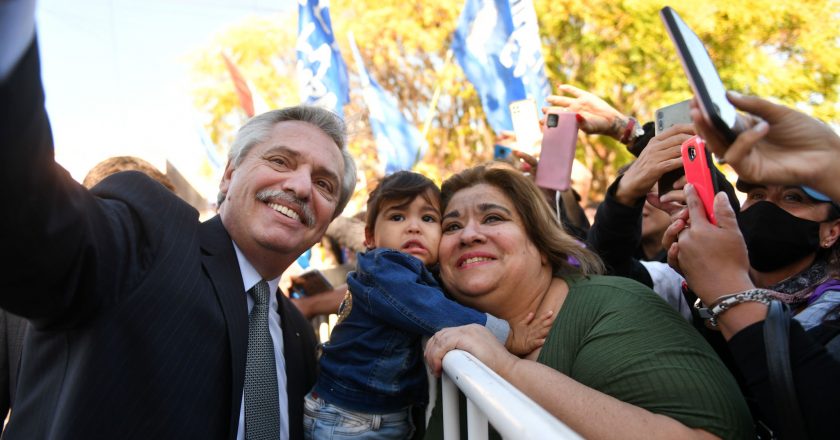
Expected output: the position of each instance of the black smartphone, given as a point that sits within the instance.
(702, 75)
(311, 282)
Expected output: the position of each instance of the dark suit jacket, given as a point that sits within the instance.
(139, 317)
(12, 330)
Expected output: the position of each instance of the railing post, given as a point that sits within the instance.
(451, 416)
(476, 422)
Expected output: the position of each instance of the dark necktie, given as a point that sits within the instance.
(262, 408)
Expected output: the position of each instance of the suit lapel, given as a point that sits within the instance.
(222, 268)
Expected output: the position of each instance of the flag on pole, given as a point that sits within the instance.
(321, 71)
(398, 142)
(497, 44)
(246, 100)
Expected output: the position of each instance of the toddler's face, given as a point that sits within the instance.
(411, 227)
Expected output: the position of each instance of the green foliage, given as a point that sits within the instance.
(617, 49)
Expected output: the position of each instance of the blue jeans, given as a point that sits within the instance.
(322, 420)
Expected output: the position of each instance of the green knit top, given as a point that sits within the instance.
(615, 335)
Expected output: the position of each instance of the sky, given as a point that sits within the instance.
(116, 75)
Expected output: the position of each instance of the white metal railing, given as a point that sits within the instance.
(489, 396)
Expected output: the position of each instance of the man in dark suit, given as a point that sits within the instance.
(139, 313)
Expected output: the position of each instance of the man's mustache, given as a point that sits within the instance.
(304, 209)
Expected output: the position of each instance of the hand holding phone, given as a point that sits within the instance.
(697, 162)
(311, 282)
(558, 151)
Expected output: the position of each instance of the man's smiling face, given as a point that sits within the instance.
(281, 197)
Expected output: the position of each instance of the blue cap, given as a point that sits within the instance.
(816, 195)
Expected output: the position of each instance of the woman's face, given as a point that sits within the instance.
(485, 254)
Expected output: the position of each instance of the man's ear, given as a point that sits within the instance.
(370, 242)
(224, 184)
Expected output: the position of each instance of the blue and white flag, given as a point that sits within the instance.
(398, 142)
(321, 71)
(497, 43)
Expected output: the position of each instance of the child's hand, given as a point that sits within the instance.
(529, 334)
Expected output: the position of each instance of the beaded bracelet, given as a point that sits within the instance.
(726, 302)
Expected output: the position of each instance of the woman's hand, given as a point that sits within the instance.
(529, 334)
(474, 339)
(661, 155)
(712, 258)
(778, 145)
(595, 116)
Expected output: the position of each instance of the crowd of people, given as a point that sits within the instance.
(126, 317)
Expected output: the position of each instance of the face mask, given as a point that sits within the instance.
(775, 238)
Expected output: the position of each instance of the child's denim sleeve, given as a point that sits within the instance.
(398, 289)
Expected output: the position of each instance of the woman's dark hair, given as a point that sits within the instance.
(402, 186)
(538, 219)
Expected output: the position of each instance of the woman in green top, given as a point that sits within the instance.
(618, 363)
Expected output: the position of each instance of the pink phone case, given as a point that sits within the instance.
(557, 155)
(697, 172)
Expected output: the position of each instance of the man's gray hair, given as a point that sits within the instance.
(258, 129)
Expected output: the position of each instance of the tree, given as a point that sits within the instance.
(616, 49)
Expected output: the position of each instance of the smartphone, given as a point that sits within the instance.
(670, 115)
(557, 155)
(702, 75)
(697, 162)
(311, 282)
(501, 152)
(667, 117)
(526, 124)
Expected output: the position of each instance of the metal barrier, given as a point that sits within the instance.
(513, 414)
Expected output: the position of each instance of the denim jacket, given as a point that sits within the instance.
(373, 362)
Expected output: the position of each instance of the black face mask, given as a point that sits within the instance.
(775, 238)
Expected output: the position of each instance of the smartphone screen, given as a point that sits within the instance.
(526, 124)
(697, 162)
(557, 155)
(702, 75)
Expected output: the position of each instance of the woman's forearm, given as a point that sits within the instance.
(590, 413)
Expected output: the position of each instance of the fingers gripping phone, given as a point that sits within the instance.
(311, 282)
(667, 117)
(702, 75)
(526, 124)
(697, 161)
(557, 155)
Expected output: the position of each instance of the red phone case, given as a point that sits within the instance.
(697, 163)
(554, 170)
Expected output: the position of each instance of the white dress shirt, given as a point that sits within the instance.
(250, 277)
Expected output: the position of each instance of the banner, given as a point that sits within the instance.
(497, 43)
(398, 142)
(321, 71)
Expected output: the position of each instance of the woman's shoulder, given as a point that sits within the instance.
(606, 284)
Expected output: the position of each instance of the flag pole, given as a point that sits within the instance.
(427, 124)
